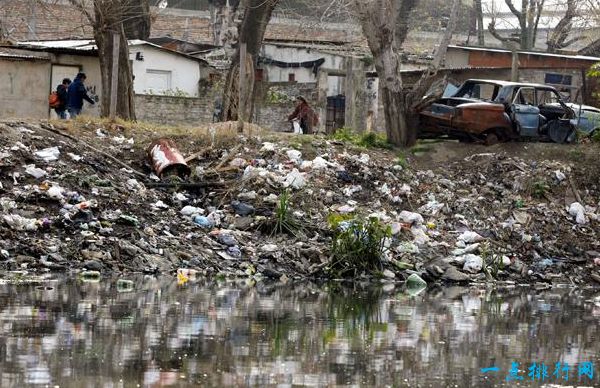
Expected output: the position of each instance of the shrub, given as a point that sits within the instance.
(358, 245)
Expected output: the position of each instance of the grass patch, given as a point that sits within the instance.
(596, 136)
(225, 133)
(358, 245)
(420, 149)
(285, 222)
(364, 140)
(539, 189)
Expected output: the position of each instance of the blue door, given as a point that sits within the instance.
(526, 113)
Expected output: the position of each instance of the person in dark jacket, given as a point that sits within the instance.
(62, 91)
(305, 114)
(77, 94)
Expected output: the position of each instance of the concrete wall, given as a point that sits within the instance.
(26, 84)
(183, 73)
(24, 88)
(303, 75)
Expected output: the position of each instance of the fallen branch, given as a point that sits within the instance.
(197, 154)
(228, 157)
(575, 191)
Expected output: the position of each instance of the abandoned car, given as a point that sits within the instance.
(587, 119)
(492, 111)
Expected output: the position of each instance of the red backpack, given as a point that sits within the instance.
(53, 100)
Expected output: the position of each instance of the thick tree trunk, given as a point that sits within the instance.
(129, 19)
(385, 27)
(125, 104)
(257, 14)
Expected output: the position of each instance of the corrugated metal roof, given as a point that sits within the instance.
(89, 45)
(541, 54)
(22, 55)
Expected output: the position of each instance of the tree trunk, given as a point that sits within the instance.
(125, 104)
(257, 14)
(384, 26)
(480, 27)
(130, 19)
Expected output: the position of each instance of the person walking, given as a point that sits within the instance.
(77, 94)
(62, 91)
(305, 115)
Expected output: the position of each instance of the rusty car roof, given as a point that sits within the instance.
(508, 83)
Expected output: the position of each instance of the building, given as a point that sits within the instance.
(156, 69)
(565, 72)
(34, 69)
(30, 75)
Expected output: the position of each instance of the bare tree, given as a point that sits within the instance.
(257, 14)
(127, 19)
(559, 37)
(385, 24)
(478, 9)
(528, 16)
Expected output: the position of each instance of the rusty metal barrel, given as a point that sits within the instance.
(166, 158)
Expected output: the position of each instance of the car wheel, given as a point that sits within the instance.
(491, 139)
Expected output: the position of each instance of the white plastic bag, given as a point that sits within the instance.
(297, 128)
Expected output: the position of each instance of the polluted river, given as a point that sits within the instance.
(101, 333)
(464, 265)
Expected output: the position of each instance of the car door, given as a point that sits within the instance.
(525, 112)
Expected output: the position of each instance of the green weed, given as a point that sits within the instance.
(401, 160)
(365, 140)
(358, 245)
(285, 222)
(539, 189)
(492, 262)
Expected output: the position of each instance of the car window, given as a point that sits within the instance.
(525, 96)
(547, 97)
(481, 91)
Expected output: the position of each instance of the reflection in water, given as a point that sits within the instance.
(74, 334)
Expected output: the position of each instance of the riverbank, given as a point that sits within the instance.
(522, 213)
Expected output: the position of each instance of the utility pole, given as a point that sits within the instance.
(242, 88)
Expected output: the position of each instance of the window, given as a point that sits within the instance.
(291, 77)
(525, 96)
(547, 97)
(158, 81)
(481, 91)
(558, 79)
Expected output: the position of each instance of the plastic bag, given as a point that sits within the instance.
(297, 128)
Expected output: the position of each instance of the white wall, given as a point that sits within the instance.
(160, 67)
(302, 75)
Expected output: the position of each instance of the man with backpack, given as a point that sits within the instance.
(77, 93)
(59, 99)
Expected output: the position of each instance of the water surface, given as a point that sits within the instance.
(71, 333)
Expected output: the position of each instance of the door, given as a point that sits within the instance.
(525, 112)
(336, 113)
(60, 72)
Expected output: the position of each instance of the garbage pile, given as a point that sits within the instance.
(102, 200)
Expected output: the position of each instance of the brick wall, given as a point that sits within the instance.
(174, 110)
(275, 103)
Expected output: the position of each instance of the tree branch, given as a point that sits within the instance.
(513, 9)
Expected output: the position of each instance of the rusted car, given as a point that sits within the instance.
(492, 111)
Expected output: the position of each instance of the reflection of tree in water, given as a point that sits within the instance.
(258, 334)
